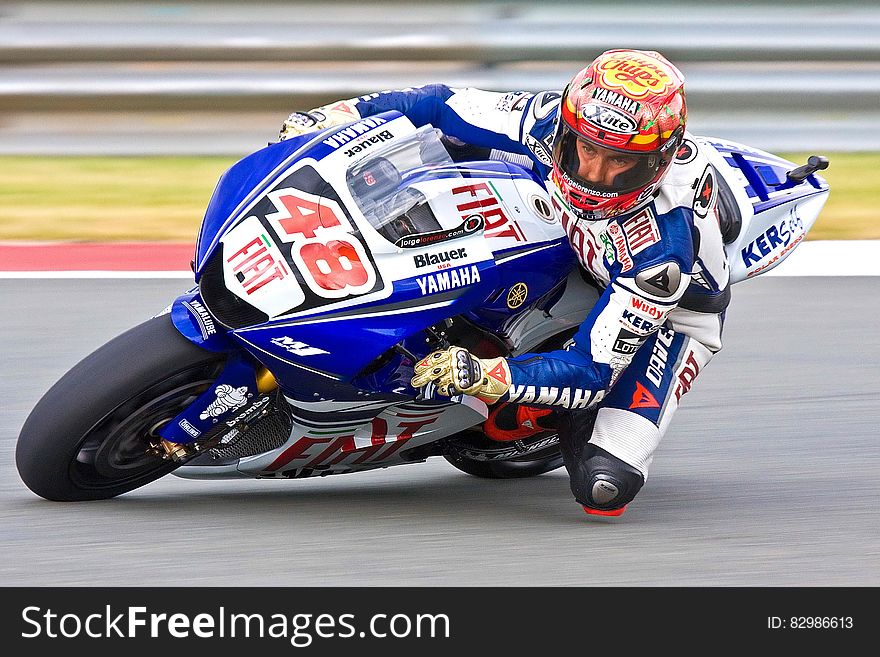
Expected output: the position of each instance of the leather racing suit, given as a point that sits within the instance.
(662, 269)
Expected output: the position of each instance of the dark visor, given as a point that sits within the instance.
(565, 153)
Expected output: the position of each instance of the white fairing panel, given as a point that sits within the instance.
(775, 219)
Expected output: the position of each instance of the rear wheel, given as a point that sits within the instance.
(89, 437)
(474, 453)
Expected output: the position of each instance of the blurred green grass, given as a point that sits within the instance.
(164, 198)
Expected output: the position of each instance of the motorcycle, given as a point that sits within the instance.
(326, 266)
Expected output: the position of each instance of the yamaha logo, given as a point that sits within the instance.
(517, 295)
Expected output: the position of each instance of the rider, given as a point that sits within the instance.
(637, 199)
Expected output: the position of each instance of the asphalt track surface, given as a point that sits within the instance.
(769, 476)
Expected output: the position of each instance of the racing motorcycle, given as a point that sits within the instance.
(328, 265)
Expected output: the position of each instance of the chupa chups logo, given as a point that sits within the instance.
(470, 225)
(636, 76)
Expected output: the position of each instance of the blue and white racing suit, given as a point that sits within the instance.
(663, 270)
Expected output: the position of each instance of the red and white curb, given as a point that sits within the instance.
(96, 259)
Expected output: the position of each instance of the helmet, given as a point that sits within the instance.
(630, 102)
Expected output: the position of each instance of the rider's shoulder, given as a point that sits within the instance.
(654, 235)
(680, 187)
(539, 110)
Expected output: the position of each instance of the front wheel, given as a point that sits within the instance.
(89, 437)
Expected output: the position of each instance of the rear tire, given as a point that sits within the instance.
(87, 438)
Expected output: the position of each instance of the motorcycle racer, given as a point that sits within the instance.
(637, 200)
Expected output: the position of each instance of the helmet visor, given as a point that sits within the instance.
(571, 152)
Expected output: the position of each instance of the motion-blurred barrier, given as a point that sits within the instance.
(486, 32)
(820, 61)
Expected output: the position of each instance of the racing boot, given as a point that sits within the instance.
(508, 422)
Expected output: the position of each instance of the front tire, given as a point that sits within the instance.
(88, 437)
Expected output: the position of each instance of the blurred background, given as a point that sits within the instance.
(215, 78)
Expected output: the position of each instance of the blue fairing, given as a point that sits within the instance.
(205, 412)
(242, 182)
(766, 173)
(250, 177)
(540, 270)
(194, 321)
(337, 346)
(352, 340)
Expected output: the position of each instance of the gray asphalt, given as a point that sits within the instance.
(769, 476)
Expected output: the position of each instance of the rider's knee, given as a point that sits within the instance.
(603, 483)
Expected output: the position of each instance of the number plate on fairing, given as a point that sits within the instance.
(297, 249)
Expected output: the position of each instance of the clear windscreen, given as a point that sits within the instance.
(389, 185)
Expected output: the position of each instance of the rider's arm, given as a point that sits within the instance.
(632, 308)
(501, 121)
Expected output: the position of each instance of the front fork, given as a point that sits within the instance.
(219, 414)
(238, 396)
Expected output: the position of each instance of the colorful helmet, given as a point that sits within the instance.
(628, 101)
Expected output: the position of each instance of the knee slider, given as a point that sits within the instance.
(602, 481)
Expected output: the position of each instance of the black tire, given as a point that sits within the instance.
(87, 438)
(480, 456)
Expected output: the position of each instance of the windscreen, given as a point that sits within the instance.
(390, 186)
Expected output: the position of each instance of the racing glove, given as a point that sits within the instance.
(299, 123)
(456, 371)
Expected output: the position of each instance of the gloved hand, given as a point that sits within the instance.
(299, 123)
(455, 371)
